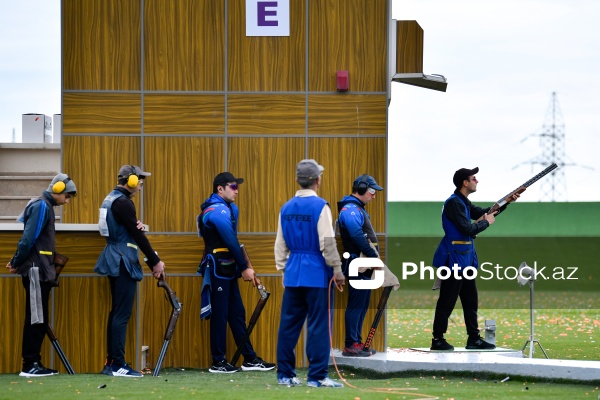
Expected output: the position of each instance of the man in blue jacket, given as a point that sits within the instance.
(119, 261)
(223, 263)
(306, 254)
(34, 261)
(358, 236)
(458, 247)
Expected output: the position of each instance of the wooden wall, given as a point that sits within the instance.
(178, 88)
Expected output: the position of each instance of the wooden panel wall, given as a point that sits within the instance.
(184, 45)
(266, 64)
(101, 42)
(177, 88)
(348, 35)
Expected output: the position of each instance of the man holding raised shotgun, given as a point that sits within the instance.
(458, 247)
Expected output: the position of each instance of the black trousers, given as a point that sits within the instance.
(450, 290)
(33, 335)
(122, 292)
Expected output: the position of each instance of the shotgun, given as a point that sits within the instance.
(508, 198)
(264, 296)
(59, 263)
(59, 350)
(172, 297)
(385, 295)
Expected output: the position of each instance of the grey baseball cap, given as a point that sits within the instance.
(309, 169)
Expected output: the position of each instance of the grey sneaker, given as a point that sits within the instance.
(289, 381)
(327, 382)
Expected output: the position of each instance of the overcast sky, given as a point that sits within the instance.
(502, 59)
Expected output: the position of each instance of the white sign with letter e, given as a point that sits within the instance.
(267, 17)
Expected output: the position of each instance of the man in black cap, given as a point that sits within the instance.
(34, 261)
(358, 237)
(223, 263)
(119, 261)
(457, 248)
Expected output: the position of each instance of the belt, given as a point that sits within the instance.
(132, 245)
(220, 250)
(461, 242)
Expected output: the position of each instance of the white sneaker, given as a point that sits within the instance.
(289, 381)
(327, 382)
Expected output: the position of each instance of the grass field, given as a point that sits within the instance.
(195, 384)
(568, 331)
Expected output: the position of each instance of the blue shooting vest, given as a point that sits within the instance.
(306, 266)
(120, 246)
(455, 247)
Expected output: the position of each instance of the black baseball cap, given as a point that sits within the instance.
(226, 177)
(463, 174)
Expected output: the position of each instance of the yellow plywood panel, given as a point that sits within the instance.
(101, 44)
(409, 47)
(82, 305)
(347, 114)
(93, 163)
(184, 113)
(352, 157)
(268, 166)
(266, 114)
(102, 113)
(266, 63)
(184, 45)
(348, 35)
(182, 169)
(12, 297)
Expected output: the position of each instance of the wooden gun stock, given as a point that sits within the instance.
(257, 281)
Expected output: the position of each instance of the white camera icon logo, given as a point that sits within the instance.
(375, 282)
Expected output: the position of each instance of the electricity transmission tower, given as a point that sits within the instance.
(552, 143)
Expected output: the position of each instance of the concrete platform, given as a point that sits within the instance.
(499, 361)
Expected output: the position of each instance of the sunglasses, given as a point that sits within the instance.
(233, 186)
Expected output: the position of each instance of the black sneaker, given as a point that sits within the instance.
(258, 364)
(441, 345)
(107, 370)
(54, 372)
(223, 367)
(36, 369)
(125, 371)
(478, 344)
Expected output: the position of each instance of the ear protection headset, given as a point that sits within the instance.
(362, 186)
(60, 186)
(132, 179)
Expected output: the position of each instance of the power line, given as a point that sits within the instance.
(552, 143)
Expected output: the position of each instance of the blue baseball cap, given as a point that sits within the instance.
(369, 180)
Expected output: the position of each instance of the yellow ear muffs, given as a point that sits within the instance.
(60, 186)
(132, 181)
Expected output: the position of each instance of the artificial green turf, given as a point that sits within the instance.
(176, 384)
